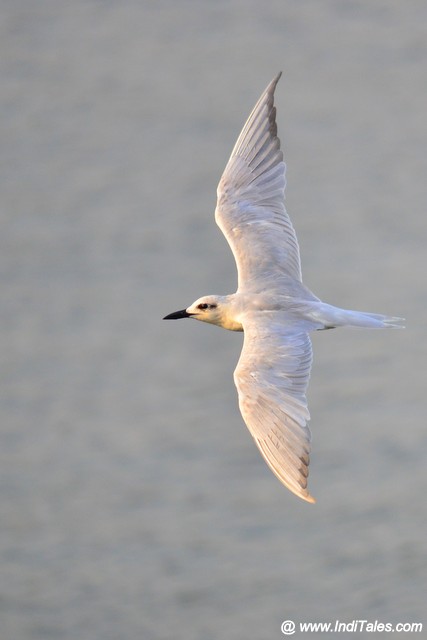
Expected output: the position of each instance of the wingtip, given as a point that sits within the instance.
(273, 83)
(304, 495)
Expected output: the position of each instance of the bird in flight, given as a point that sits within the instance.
(272, 306)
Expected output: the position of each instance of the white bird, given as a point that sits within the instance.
(272, 306)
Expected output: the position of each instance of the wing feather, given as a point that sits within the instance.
(271, 378)
(250, 208)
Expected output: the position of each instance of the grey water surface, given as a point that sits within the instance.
(133, 503)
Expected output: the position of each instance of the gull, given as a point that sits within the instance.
(272, 306)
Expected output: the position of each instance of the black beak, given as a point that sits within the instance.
(177, 315)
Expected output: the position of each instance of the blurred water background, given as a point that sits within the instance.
(133, 503)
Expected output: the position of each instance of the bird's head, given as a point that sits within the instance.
(217, 310)
(206, 309)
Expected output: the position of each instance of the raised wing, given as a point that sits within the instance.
(271, 378)
(250, 208)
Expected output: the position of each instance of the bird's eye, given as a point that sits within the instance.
(205, 305)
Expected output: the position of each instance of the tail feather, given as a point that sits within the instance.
(336, 317)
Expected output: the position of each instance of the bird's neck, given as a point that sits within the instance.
(229, 318)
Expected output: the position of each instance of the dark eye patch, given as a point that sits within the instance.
(204, 305)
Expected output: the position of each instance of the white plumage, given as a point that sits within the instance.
(272, 306)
